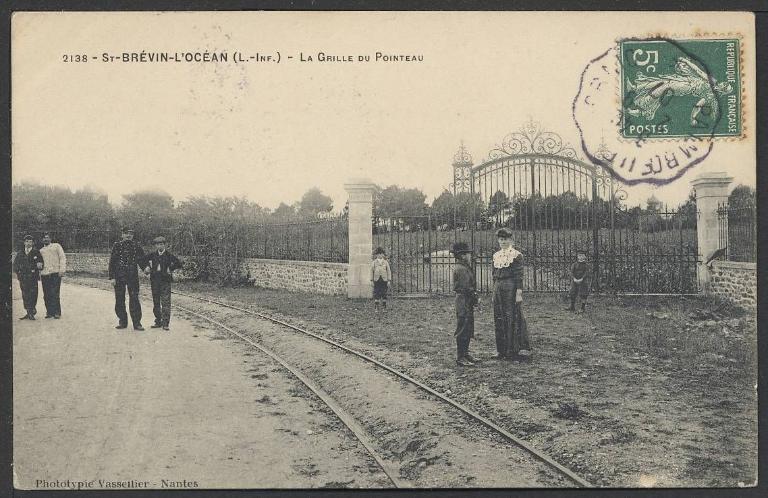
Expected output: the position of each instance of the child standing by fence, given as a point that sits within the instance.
(381, 275)
(580, 281)
(466, 299)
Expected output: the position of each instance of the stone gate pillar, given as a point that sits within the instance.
(711, 191)
(360, 238)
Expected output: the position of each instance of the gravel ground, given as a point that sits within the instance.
(189, 408)
(427, 443)
(637, 391)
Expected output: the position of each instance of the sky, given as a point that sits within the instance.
(270, 131)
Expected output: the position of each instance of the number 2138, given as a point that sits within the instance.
(74, 58)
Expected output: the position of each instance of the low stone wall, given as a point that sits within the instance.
(734, 281)
(304, 276)
(87, 262)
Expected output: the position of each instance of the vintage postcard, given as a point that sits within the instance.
(384, 250)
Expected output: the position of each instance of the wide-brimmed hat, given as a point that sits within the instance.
(460, 248)
(159, 239)
(504, 233)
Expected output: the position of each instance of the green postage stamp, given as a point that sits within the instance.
(680, 88)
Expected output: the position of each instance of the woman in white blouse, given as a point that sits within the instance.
(509, 323)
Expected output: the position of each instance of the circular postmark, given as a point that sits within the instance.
(648, 110)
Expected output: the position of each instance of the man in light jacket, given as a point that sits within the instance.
(55, 265)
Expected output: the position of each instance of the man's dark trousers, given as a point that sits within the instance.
(161, 298)
(29, 294)
(51, 293)
(134, 306)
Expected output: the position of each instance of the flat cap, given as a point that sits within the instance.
(159, 239)
(460, 248)
(379, 250)
(126, 230)
(28, 237)
(504, 233)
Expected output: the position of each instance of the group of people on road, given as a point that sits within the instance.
(46, 265)
(49, 263)
(125, 261)
(512, 340)
(511, 329)
(509, 323)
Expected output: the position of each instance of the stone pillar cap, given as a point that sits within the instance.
(359, 184)
(359, 181)
(717, 177)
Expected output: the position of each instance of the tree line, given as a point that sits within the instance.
(42, 207)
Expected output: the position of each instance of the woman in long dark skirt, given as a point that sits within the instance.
(509, 322)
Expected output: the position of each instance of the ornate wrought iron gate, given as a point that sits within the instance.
(555, 204)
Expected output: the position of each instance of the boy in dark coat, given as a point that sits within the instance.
(159, 265)
(580, 281)
(27, 266)
(466, 299)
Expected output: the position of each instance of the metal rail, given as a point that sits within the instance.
(579, 481)
(345, 417)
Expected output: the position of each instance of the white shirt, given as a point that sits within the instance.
(54, 259)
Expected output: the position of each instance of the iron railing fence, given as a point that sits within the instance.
(90, 240)
(738, 231)
(325, 240)
(629, 251)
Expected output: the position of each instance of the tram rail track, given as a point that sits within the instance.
(359, 432)
(340, 413)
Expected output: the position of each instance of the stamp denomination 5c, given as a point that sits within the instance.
(680, 88)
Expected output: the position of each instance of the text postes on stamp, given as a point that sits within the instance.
(680, 88)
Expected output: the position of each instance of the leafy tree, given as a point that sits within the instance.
(443, 209)
(446, 208)
(742, 196)
(686, 212)
(38, 208)
(498, 202)
(284, 212)
(314, 201)
(148, 212)
(217, 232)
(395, 201)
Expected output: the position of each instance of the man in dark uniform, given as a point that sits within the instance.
(160, 265)
(27, 266)
(124, 262)
(466, 299)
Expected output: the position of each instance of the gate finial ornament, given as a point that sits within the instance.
(462, 156)
(532, 139)
(462, 170)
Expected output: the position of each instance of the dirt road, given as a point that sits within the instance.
(189, 408)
